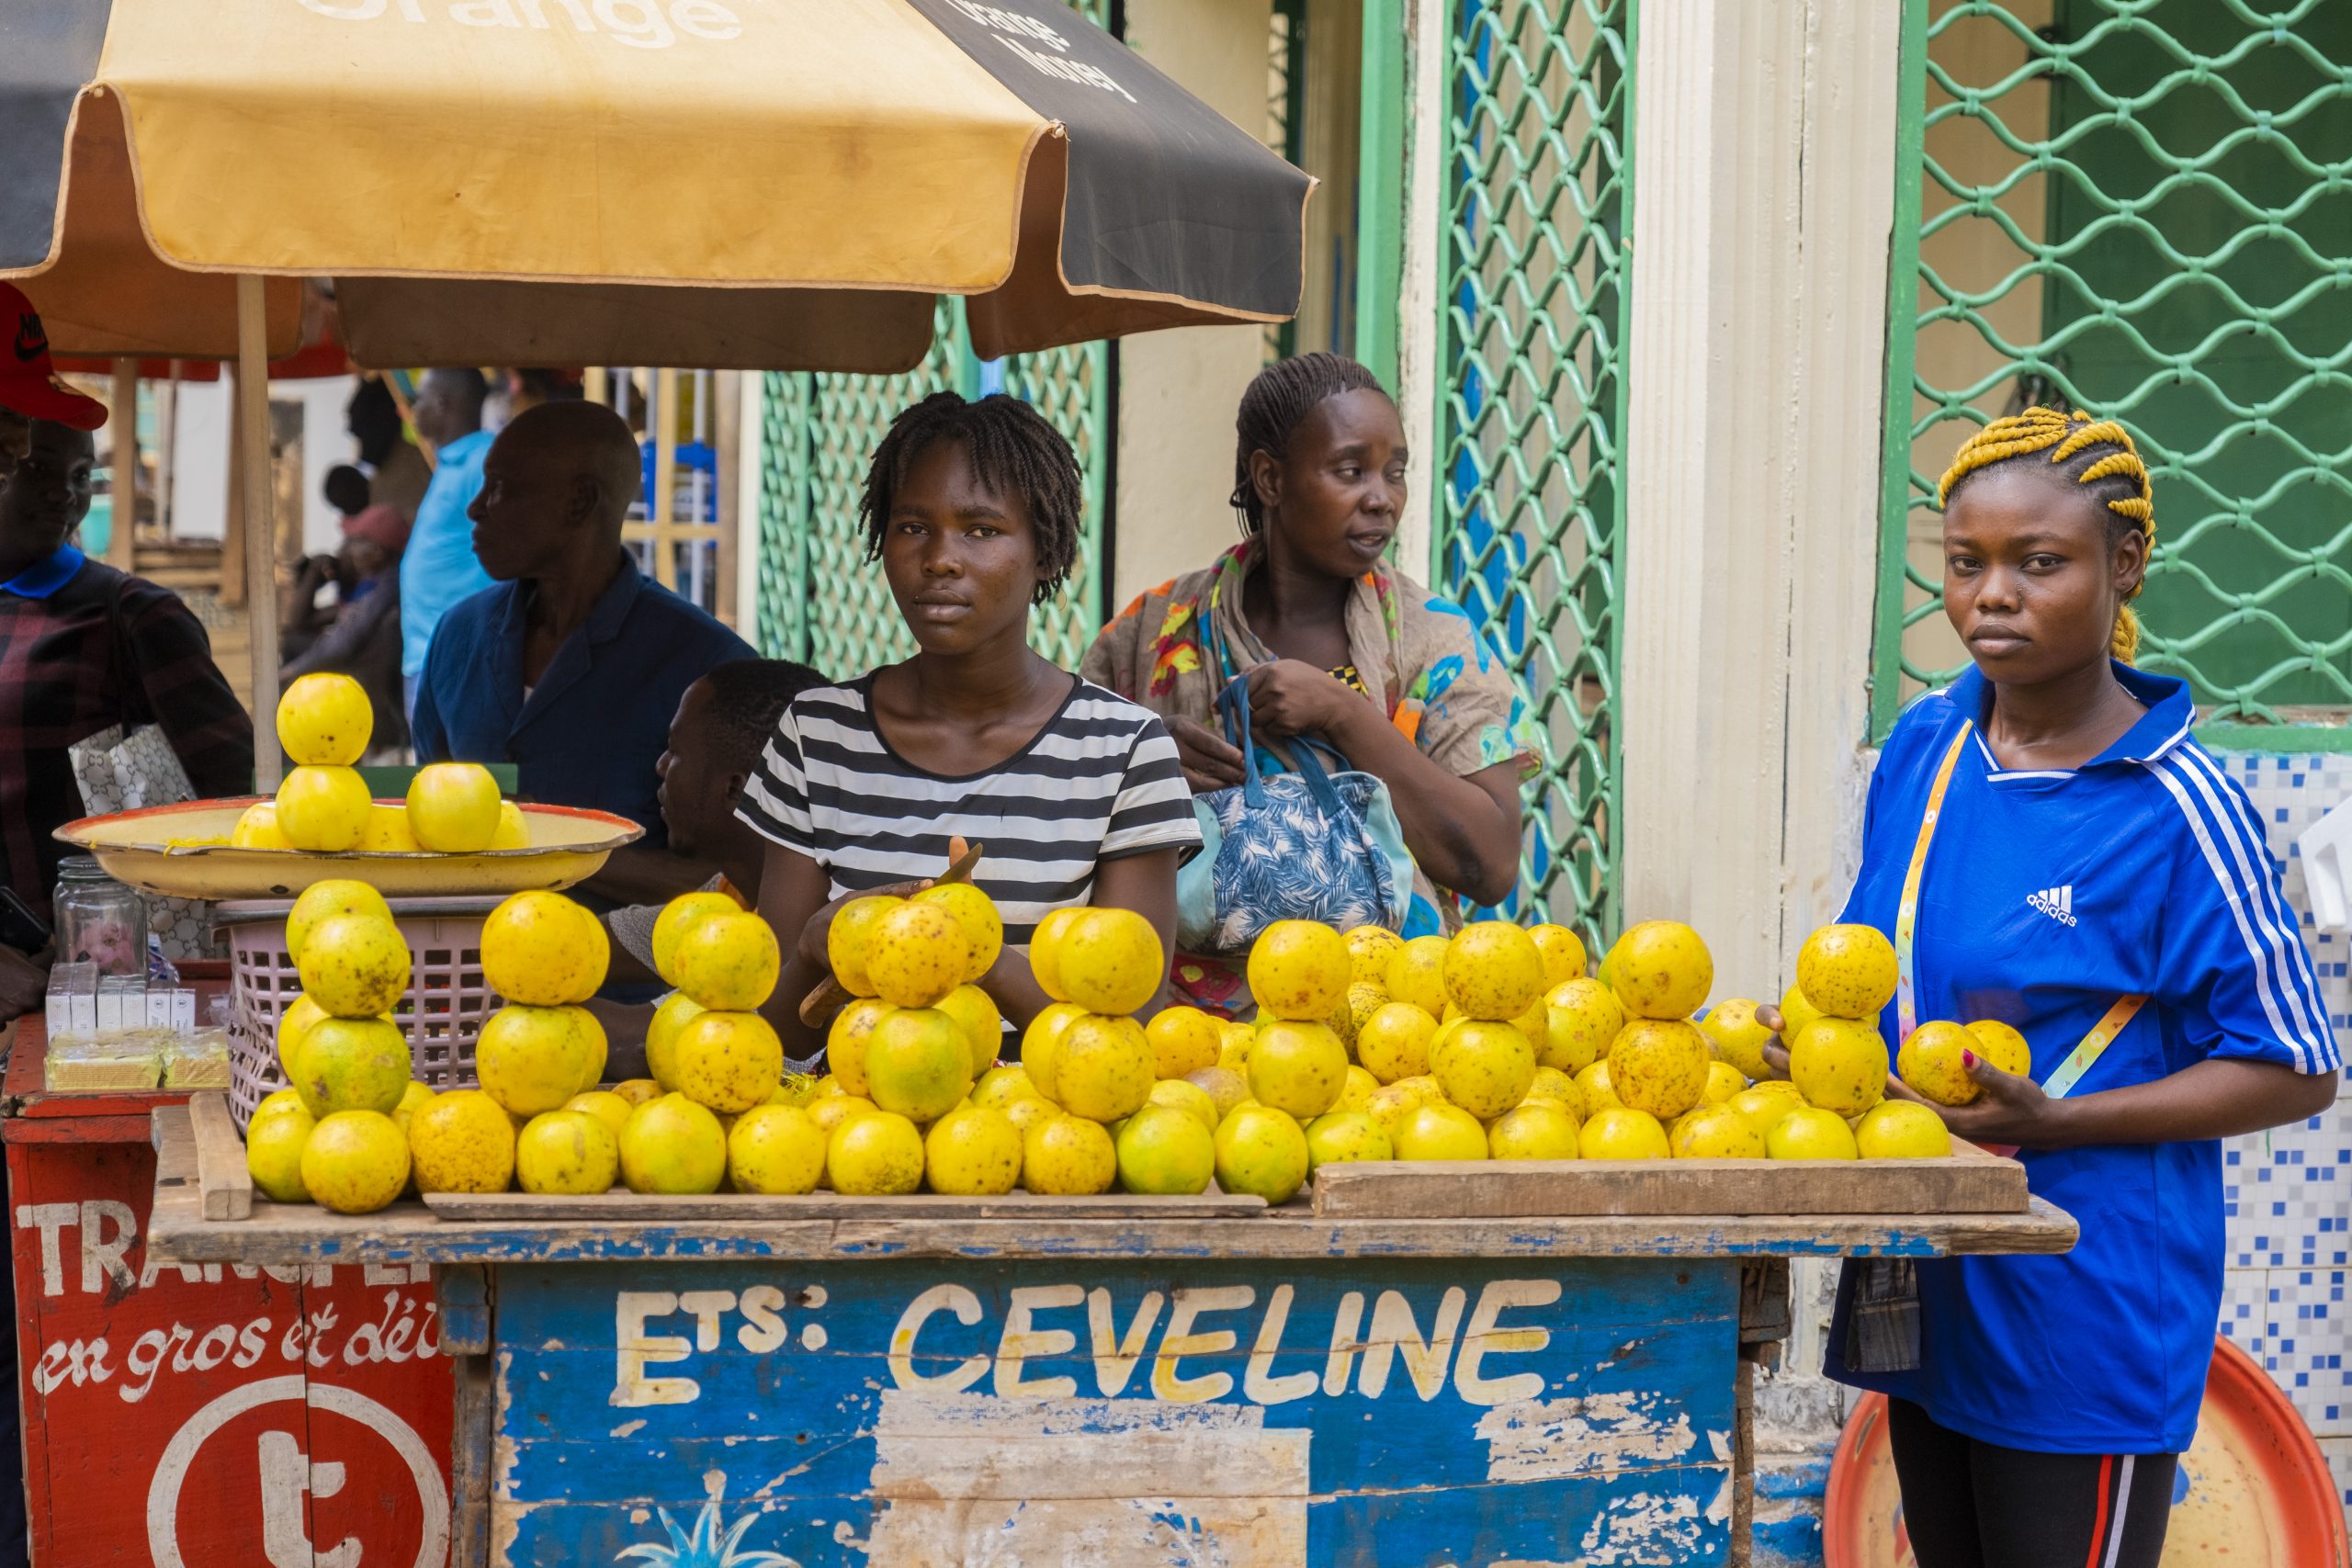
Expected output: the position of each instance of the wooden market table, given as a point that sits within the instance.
(926, 1381)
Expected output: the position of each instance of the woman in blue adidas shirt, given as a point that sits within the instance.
(2092, 872)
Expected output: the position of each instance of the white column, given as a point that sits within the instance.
(1418, 375)
(1763, 182)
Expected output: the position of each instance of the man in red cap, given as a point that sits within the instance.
(30, 389)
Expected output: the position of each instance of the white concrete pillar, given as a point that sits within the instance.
(1763, 184)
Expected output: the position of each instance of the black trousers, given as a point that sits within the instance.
(1968, 1503)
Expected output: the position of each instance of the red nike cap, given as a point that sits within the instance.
(28, 383)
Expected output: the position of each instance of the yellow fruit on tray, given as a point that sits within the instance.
(673, 1146)
(672, 1014)
(1715, 1132)
(1188, 1098)
(544, 950)
(2001, 1046)
(975, 913)
(1340, 1137)
(296, 1021)
(1439, 1132)
(1795, 1013)
(1840, 1065)
(1732, 1030)
(1929, 1061)
(512, 832)
(974, 1012)
(918, 1062)
(1416, 975)
(257, 829)
(1040, 1044)
(1540, 1129)
(354, 1162)
(323, 809)
(273, 1152)
(387, 831)
(532, 1059)
(1622, 1133)
(1811, 1133)
(1485, 1067)
(1261, 1151)
(323, 901)
(605, 1106)
(462, 1142)
(1556, 1086)
(1161, 1149)
(675, 917)
(453, 807)
(1847, 971)
(915, 954)
(1224, 1087)
(1492, 971)
(352, 1063)
(326, 719)
(1101, 1068)
(1898, 1129)
(1581, 1017)
(1659, 1065)
(1393, 1043)
(1299, 1069)
(1369, 949)
(777, 1150)
(1000, 1085)
(1661, 969)
(1562, 951)
(973, 1152)
(729, 961)
(1300, 970)
(1765, 1102)
(1592, 1082)
(728, 1061)
(1183, 1040)
(566, 1152)
(1111, 961)
(1068, 1156)
(1723, 1080)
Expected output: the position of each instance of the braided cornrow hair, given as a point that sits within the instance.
(2098, 453)
(1013, 451)
(1274, 402)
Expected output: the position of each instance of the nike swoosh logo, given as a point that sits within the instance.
(31, 342)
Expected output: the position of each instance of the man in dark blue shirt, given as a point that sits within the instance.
(573, 664)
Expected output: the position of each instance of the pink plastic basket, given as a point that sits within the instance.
(447, 1003)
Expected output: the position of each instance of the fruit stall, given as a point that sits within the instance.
(1452, 1252)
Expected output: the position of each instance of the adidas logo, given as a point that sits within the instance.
(2058, 903)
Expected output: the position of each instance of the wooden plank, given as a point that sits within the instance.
(175, 1146)
(472, 1439)
(1970, 1182)
(224, 1187)
(650, 1208)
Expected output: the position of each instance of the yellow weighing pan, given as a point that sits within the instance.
(183, 851)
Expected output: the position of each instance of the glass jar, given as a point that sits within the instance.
(99, 921)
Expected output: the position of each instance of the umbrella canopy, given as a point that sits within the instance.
(778, 184)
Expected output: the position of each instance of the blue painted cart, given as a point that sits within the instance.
(1171, 1385)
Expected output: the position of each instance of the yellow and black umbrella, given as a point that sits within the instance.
(780, 184)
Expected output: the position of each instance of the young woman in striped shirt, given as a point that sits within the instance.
(1075, 795)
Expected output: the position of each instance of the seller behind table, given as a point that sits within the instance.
(573, 664)
(2066, 859)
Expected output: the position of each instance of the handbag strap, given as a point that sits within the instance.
(1233, 703)
(127, 668)
(2092, 1047)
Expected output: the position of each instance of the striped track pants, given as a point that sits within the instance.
(1968, 1503)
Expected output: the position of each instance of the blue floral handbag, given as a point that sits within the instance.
(1313, 844)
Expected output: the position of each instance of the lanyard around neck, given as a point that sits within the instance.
(2068, 1073)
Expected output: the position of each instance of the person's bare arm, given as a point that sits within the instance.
(1462, 831)
(794, 893)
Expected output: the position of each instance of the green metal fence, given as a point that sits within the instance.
(2141, 207)
(1530, 505)
(818, 600)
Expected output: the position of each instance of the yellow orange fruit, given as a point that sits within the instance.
(453, 807)
(1715, 1132)
(1183, 1040)
(354, 1162)
(1661, 969)
(1732, 1030)
(1068, 1156)
(728, 1061)
(1811, 1133)
(1369, 949)
(1929, 1061)
(1485, 1067)
(1339, 1137)
(675, 917)
(1622, 1133)
(916, 954)
(1582, 1018)
(257, 829)
(2001, 1046)
(974, 1012)
(1045, 949)
(671, 1015)
(324, 901)
(462, 1142)
(778, 1150)
(1439, 1132)
(355, 965)
(1300, 970)
(1541, 1129)
(323, 809)
(351, 1063)
(1165, 1150)
(1659, 1065)
(1492, 971)
(918, 1062)
(273, 1152)
(1111, 961)
(976, 913)
(567, 1153)
(532, 1059)
(1416, 975)
(674, 1146)
(1040, 1041)
(325, 719)
(542, 949)
(1563, 951)
(1898, 1129)
(1847, 971)
(973, 1152)
(1299, 1069)
(1103, 1067)
(727, 963)
(1840, 1065)
(1393, 1043)
(1261, 1151)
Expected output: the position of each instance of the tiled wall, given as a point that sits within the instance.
(2288, 1192)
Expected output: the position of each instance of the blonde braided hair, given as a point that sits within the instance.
(2067, 438)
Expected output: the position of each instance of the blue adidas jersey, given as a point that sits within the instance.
(2048, 895)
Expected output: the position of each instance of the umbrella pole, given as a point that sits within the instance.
(260, 554)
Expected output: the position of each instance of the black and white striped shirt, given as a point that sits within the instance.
(1100, 781)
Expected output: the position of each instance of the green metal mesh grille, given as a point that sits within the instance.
(820, 601)
(2144, 209)
(1530, 505)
